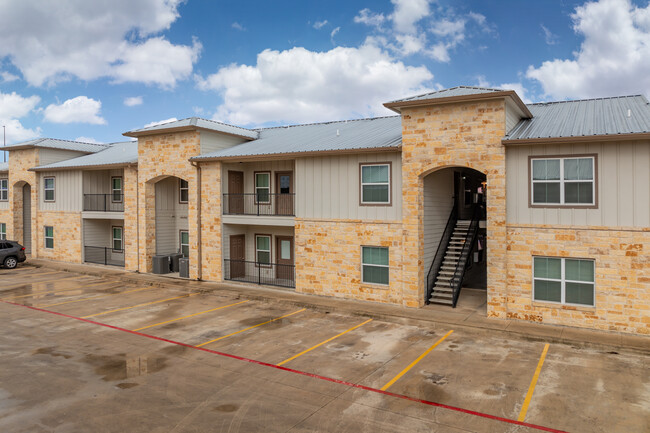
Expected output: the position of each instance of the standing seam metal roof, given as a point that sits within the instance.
(54, 143)
(199, 123)
(114, 154)
(449, 93)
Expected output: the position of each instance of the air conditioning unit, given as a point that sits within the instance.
(184, 268)
(161, 264)
(174, 261)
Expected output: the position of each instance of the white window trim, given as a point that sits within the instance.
(46, 237)
(3, 231)
(46, 189)
(267, 173)
(562, 181)
(562, 282)
(180, 241)
(373, 265)
(4, 190)
(375, 183)
(113, 190)
(121, 239)
(257, 250)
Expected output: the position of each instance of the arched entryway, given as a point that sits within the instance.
(22, 214)
(454, 238)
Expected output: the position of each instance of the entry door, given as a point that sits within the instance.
(284, 190)
(27, 218)
(284, 254)
(237, 256)
(235, 192)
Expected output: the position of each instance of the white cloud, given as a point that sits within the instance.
(8, 77)
(133, 101)
(14, 107)
(407, 13)
(299, 85)
(87, 140)
(51, 42)
(320, 24)
(160, 122)
(333, 33)
(519, 88)
(238, 26)
(613, 59)
(76, 110)
(550, 37)
(369, 18)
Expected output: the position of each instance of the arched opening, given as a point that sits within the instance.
(22, 214)
(172, 235)
(454, 249)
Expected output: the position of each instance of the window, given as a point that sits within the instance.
(3, 232)
(563, 181)
(263, 187)
(185, 243)
(375, 184)
(118, 244)
(4, 189)
(183, 191)
(566, 281)
(48, 185)
(116, 189)
(374, 264)
(49, 237)
(263, 249)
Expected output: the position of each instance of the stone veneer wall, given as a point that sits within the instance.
(211, 240)
(328, 258)
(130, 179)
(6, 216)
(20, 161)
(463, 134)
(622, 259)
(67, 236)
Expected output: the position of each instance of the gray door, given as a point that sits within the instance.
(27, 218)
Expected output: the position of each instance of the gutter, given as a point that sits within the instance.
(199, 261)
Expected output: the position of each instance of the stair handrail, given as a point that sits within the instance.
(434, 269)
(456, 281)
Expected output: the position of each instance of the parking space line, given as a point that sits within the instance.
(138, 305)
(190, 315)
(57, 291)
(97, 297)
(412, 364)
(324, 342)
(533, 383)
(250, 327)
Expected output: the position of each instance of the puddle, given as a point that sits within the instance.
(122, 366)
(273, 325)
(50, 351)
(126, 385)
(226, 408)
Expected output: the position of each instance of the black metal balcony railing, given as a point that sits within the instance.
(104, 256)
(269, 274)
(259, 204)
(104, 202)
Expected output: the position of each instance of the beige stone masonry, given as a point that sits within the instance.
(20, 161)
(67, 236)
(211, 240)
(131, 218)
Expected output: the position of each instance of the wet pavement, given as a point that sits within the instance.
(160, 365)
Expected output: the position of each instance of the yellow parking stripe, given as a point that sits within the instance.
(250, 327)
(139, 305)
(59, 291)
(96, 297)
(533, 383)
(324, 342)
(412, 364)
(190, 315)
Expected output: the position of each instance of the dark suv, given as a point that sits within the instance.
(11, 253)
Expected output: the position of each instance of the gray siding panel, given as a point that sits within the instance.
(512, 116)
(171, 216)
(50, 156)
(68, 191)
(213, 141)
(438, 202)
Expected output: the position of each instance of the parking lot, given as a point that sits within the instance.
(83, 353)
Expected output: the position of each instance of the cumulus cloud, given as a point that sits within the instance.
(133, 101)
(369, 18)
(407, 13)
(320, 24)
(88, 140)
(13, 107)
(76, 110)
(613, 59)
(518, 87)
(8, 77)
(334, 32)
(299, 85)
(160, 122)
(51, 42)
(238, 26)
(550, 37)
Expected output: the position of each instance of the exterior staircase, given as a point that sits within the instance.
(443, 288)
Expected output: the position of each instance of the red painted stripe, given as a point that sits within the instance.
(303, 373)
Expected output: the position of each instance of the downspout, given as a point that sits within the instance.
(137, 216)
(198, 222)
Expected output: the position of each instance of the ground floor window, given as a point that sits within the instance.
(374, 265)
(3, 232)
(185, 243)
(564, 280)
(118, 244)
(49, 237)
(263, 249)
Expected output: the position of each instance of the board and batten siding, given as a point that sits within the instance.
(68, 195)
(513, 116)
(328, 187)
(249, 169)
(623, 173)
(213, 141)
(50, 156)
(99, 233)
(249, 243)
(99, 181)
(438, 203)
(171, 216)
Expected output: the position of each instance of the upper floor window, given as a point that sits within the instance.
(116, 189)
(183, 191)
(48, 188)
(566, 181)
(263, 187)
(4, 189)
(3, 231)
(564, 280)
(375, 184)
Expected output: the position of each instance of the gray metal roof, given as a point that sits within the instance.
(449, 93)
(53, 143)
(588, 117)
(113, 155)
(4, 166)
(379, 132)
(196, 122)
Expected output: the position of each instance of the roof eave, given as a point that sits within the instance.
(289, 155)
(84, 167)
(578, 139)
(185, 128)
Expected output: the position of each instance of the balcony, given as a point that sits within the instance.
(269, 274)
(103, 202)
(266, 204)
(104, 256)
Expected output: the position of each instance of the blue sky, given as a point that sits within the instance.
(89, 71)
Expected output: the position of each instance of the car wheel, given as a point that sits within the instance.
(10, 262)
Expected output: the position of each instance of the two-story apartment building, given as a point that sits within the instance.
(546, 205)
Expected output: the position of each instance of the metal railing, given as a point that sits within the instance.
(104, 256)
(104, 202)
(259, 204)
(456, 281)
(436, 264)
(268, 274)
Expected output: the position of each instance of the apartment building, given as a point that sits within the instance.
(546, 206)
